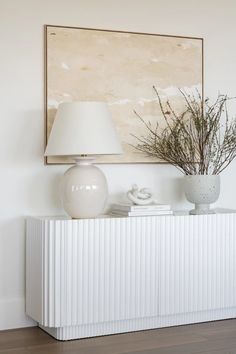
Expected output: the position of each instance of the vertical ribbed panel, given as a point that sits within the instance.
(99, 270)
(129, 272)
(197, 264)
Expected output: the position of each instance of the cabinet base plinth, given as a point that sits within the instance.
(138, 324)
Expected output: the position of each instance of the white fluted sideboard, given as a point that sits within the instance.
(100, 276)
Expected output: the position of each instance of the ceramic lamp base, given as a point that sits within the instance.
(85, 190)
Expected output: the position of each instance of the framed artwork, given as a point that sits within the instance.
(119, 68)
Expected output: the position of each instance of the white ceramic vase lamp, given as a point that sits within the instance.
(83, 130)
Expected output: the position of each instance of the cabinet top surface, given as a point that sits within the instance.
(181, 213)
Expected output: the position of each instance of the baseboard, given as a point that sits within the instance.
(138, 324)
(12, 314)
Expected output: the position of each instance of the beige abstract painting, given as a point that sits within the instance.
(120, 68)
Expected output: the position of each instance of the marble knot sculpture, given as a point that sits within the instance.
(142, 196)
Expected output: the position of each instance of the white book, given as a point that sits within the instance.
(141, 213)
(132, 207)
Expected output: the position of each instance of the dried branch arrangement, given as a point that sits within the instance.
(200, 140)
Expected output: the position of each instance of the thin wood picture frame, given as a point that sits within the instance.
(120, 68)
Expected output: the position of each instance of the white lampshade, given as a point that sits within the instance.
(83, 128)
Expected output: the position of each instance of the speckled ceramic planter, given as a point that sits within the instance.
(202, 190)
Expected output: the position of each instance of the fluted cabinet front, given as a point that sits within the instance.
(197, 264)
(128, 271)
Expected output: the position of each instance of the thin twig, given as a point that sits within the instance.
(193, 141)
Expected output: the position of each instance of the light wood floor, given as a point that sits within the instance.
(205, 338)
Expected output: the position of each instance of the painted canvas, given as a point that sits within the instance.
(119, 68)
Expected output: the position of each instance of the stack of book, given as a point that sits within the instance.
(140, 210)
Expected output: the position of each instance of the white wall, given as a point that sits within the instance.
(27, 186)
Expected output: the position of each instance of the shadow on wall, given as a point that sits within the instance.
(12, 274)
(12, 239)
(44, 192)
(172, 191)
(27, 137)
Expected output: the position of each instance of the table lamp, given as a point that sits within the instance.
(83, 130)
